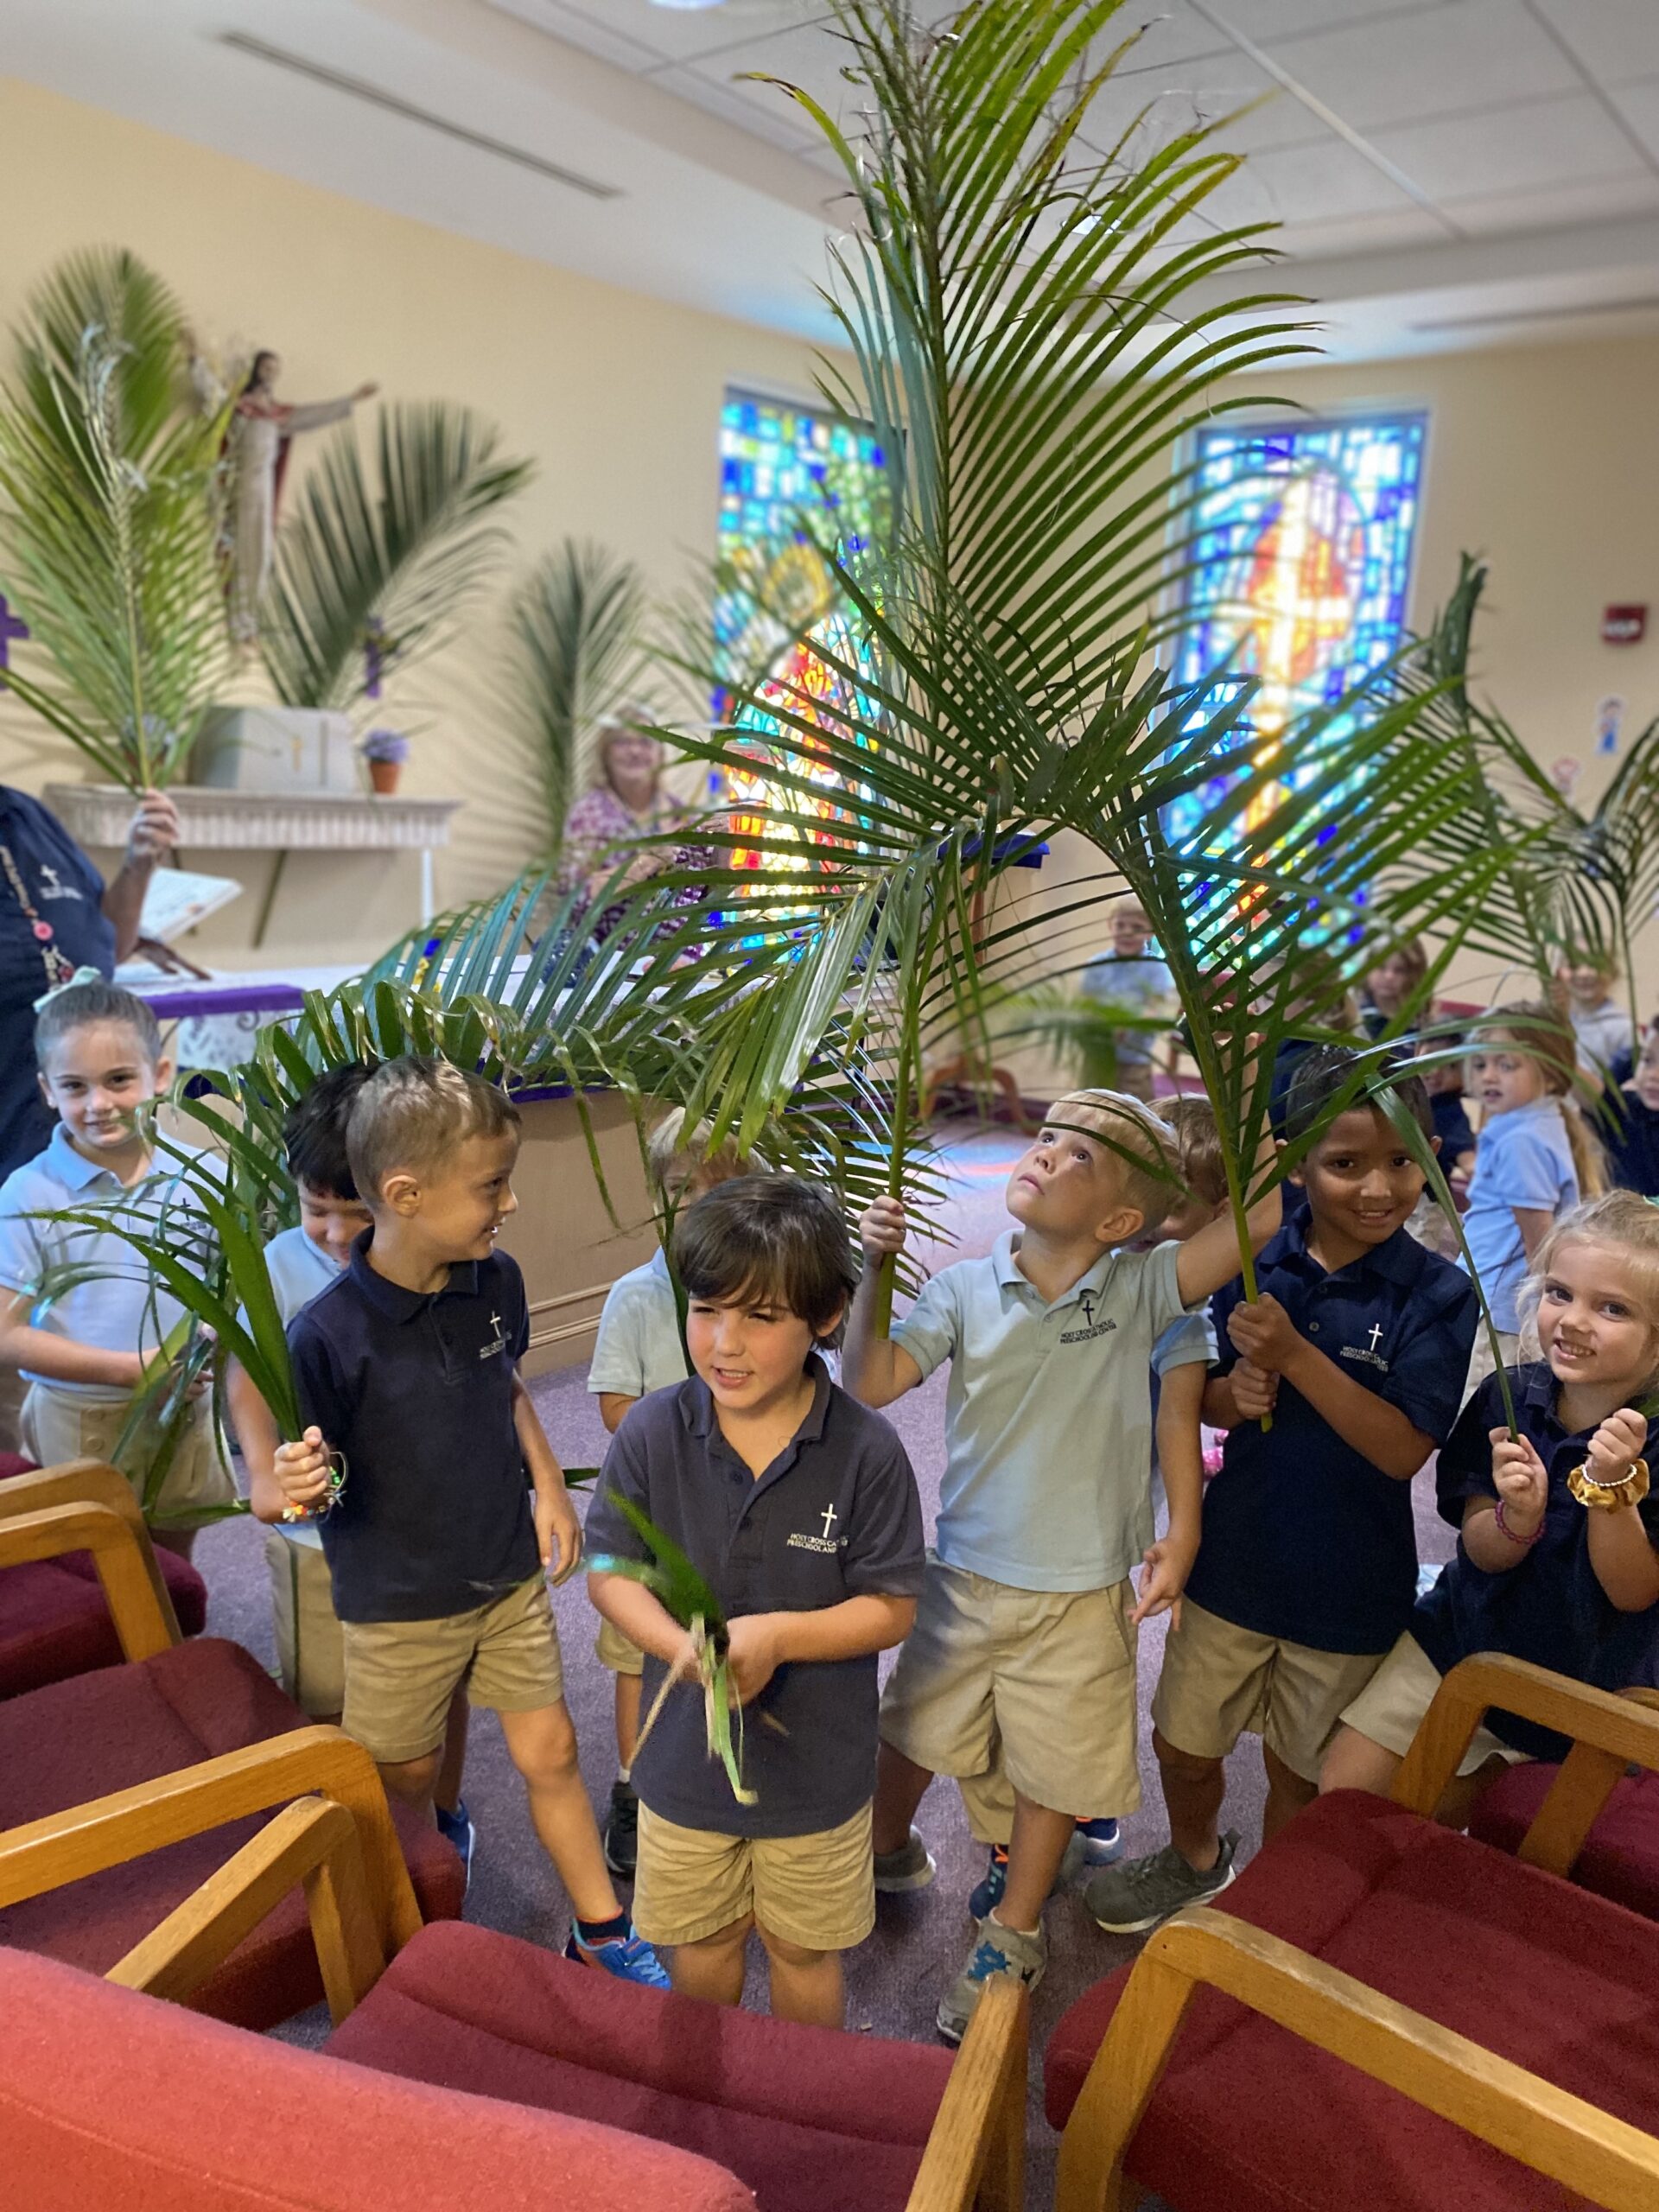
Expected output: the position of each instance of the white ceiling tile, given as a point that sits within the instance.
(1571, 140)
(1616, 40)
(1559, 209)
(1185, 95)
(1316, 240)
(1272, 19)
(1322, 183)
(684, 35)
(809, 56)
(581, 31)
(1474, 53)
(761, 110)
(1639, 105)
(1169, 30)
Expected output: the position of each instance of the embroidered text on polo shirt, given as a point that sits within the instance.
(1091, 1328)
(1368, 1352)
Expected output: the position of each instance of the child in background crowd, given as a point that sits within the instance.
(1307, 1571)
(638, 1350)
(1130, 978)
(406, 1366)
(1389, 987)
(1535, 1155)
(1023, 1653)
(1446, 1103)
(84, 1352)
(301, 1262)
(1633, 1144)
(800, 1510)
(1604, 1031)
(1556, 1560)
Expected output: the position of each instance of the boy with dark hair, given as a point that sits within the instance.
(1358, 1347)
(406, 1367)
(800, 1510)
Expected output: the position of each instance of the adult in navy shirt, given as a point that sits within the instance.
(58, 914)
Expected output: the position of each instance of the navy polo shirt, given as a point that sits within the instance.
(1304, 1538)
(416, 1389)
(1548, 1607)
(1633, 1145)
(66, 890)
(835, 1515)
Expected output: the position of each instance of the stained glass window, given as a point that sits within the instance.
(792, 480)
(1302, 570)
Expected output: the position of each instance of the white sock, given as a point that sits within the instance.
(623, 1773)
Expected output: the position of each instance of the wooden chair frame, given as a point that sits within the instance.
(143, 1628)
(1607, 2160)
(334, 1834)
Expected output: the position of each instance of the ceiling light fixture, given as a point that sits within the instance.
(688, 4)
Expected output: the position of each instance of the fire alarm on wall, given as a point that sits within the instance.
(1623, 625)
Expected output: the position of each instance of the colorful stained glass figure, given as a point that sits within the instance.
(793, 481)
(1301, 570)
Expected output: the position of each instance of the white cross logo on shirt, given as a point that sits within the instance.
(495, 1323)
(1377, 1332)
(830, 1517)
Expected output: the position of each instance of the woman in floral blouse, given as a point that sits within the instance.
(626, 803)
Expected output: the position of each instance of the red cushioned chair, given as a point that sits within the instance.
(54, 1618)
(1620, 1857)
(198, 1736)
(810, 2120)
(1387, 2014)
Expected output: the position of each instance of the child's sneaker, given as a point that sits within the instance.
(627, 1957)
(622, 1831)
(1000, 1951)
(1103, 1842)
(457, 1828)
(1126, 1900)
(983, 1900)
(909, 1867)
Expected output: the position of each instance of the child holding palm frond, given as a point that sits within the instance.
(799, 1510)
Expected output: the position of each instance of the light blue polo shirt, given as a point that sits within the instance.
(116, 1308)
(298, 1270)
(638, 1348)
(1047, 1481)
(1521, 1158)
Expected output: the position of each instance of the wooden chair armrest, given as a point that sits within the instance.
(1581, 2148)
(123, 1573)
(65, 1846)
(1609, 1733)
(975, 2155)
(102, 1484)
(312, 1842)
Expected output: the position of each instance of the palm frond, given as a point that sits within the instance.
(391, 564)
(577, 628)
(109, 482)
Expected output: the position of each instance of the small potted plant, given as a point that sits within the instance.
(385, 751)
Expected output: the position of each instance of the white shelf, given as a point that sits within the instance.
(288, 822)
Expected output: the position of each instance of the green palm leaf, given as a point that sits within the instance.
(577, 624)
(394, 562)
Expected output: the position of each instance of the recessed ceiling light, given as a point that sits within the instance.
(688, 4)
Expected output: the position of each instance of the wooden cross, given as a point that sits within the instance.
(10, 628)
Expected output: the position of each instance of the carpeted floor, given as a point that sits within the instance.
(920, 1941)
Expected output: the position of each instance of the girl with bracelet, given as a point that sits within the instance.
(1558, 1526)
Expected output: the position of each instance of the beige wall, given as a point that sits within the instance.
(615, 396)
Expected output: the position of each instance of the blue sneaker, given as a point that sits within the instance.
(457, 1828)
(983, 1901)
(1103, 1846)
(628, 1958)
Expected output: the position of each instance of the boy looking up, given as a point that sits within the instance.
(1023, 1645)
(638, 1350)
(406, 1366)
(799, 1510)
(1308, 1572)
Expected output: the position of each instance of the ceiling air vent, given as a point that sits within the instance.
(359, 88)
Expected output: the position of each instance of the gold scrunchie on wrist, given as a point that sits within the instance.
(1608, 1497)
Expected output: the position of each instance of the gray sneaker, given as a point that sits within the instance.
(999, 1950)
(909, 1867)
(1126, 1900)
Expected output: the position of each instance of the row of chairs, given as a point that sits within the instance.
(1387, 2014)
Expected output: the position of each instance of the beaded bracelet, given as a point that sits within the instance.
(1607, 1497)
(1525, 1543)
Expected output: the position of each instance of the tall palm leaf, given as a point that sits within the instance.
(577, 624)
(108, 498)
(389, 565)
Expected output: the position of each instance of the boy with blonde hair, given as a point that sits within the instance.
(638, 1350)
(1024, 1648)
(406, 1369)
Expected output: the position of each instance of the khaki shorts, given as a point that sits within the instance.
(1221, 1681)
(56, 1426)
(615, 1651)
(310, 1651)
(1040, 1683)
(817, 1890)
(1392, 1704)
(400, 1675)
